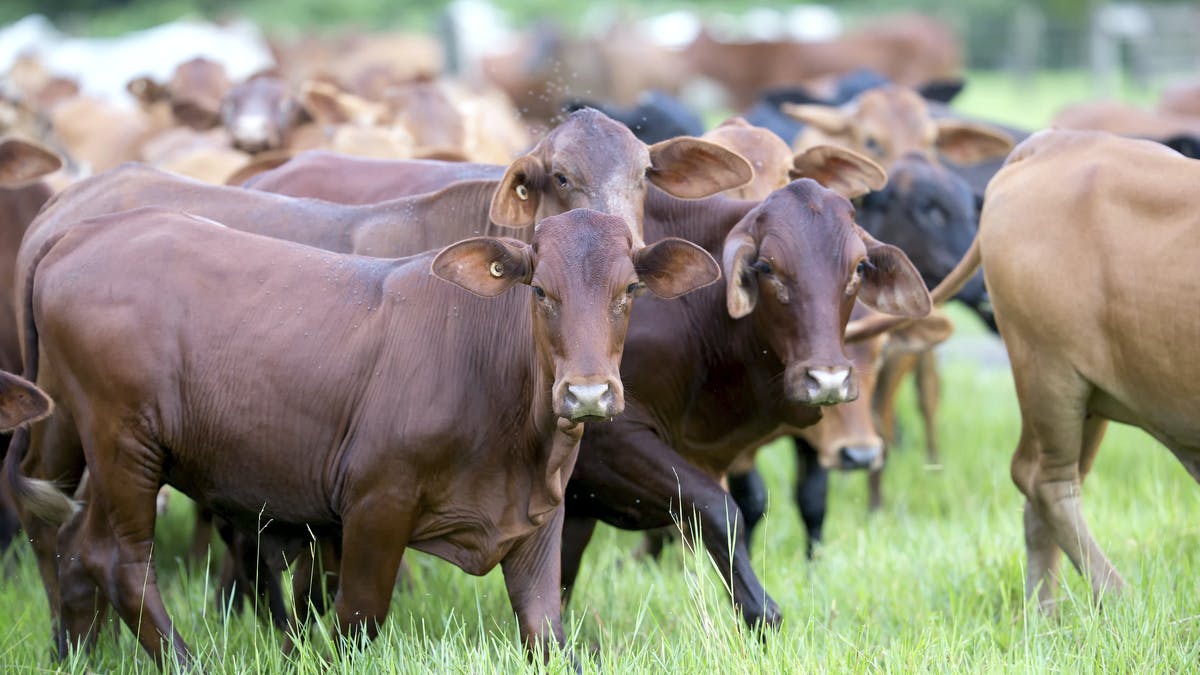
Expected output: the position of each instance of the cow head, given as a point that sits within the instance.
(795, 265)
(846, 437)
(926, 210)
(261, 113)
(584, 273)
(194, 92)
(846, 172)
(22, 163)
(591, 161)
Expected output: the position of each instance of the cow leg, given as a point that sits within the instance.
(532, 575)
(246, 572)
(1048, 468)
(750, 492)
(119, 541)
(875, 489)
(84, 608)
(201, 535)
(374, 535)
(929, 391)
(812, 493)
(631, 479)
(314, 582)
(883, 402)
(576, 533)
(54, 454)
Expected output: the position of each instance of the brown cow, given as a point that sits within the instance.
(909, 50)
(927, 210)
(1126, 119)
(389, 440)
(1099, 339)
(727, 369)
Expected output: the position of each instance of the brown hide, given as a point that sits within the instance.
(1181, 98)
(703, 386)
(1101, 338)
(315, 438)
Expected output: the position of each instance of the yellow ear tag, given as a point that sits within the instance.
(496, 269)
(522, 192)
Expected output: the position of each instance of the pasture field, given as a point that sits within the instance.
(931, 583)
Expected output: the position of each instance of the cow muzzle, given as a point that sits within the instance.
(590, 401)
(826, 385)
(857, 457)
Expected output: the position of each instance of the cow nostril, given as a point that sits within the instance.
(828, 385)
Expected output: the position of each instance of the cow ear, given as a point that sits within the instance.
(921, 334)
(825, 118)
(21, 401)
(840, 169)
(741, 281)
(671, 267)
(692, 168)
(890, 283)
(22, 162)
(516, 201)
(485, 266)
(969, 143)
(146, 90)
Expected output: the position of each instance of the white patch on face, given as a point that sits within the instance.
(252, 127)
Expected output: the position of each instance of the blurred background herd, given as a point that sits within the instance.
(99, 80)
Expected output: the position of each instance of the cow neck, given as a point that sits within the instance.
(411, 224)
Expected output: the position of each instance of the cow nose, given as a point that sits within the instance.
(589, 400)
(860, 456)
(828, 385)
(252, 130)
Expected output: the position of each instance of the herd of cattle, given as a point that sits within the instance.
(478, 346)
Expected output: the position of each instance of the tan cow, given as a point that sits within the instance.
(1101, 338)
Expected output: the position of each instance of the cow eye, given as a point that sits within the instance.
(873, 145)
(541, 294)
(634, 288)
(762, 267)
(562, 180)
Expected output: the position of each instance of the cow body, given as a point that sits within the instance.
(1099, 339)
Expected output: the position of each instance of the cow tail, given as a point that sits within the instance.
(40, 498)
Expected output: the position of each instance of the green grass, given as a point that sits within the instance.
(932, 583)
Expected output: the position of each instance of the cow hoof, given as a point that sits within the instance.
(765, 621)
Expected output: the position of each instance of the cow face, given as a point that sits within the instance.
(584, 272)
(926, 210)
(797, 262)
(770, 157)
(846, 438)
(931, 214)
(260, 113)
(590, 161)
